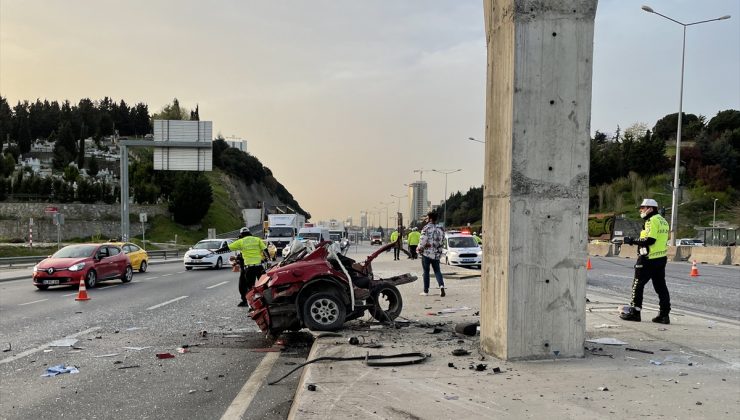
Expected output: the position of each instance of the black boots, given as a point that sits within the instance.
(630, 314)
(662, 319)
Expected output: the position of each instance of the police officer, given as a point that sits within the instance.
(396, 247)
(253, 251)
(414, 237)
(652, 255)
(477, 238)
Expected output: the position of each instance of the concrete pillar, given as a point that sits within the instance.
(535, 206)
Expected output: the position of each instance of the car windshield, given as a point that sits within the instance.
(335, 236)
(207, 245)
(462, 242)
(75, 251)
(310, 235)
(281, 232)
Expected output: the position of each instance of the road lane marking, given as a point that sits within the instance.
(216, 285)
(39, 348)
(240, 404)
(35, 301)
(180, 272)
(150, 278)
(70, 294)
(618, 276)
(165, 275)
(165, 303)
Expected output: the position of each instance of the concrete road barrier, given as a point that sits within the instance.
(679, 253)
(734, 256)
(721, 255)
(600, 250)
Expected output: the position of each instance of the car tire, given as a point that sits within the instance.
(188, 268)
(91, 279)
(127, 275)
(143, 267)
(387, 303)
(324, 311)
(218, 264)
(42, 287)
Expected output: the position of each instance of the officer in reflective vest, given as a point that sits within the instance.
(414, 238)
(253, 251)
(652, 256)
(397, 247)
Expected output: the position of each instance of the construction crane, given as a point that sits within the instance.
(421, 173)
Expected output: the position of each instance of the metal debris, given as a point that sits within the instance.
(460, 352)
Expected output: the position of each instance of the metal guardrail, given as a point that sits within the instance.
(157, 254)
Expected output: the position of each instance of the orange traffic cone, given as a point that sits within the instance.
(694, 270)
(82, 293)
(588, 264)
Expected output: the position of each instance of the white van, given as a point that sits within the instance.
(315, 233)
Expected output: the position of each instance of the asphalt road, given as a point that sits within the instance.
(715, 292)
(159, 311)
(225, 369)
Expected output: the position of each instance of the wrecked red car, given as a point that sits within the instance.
(321, 289)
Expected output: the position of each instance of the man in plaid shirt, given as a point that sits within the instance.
(430, 246)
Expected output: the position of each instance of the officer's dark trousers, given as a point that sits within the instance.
(412, 250)
(247, 278)
(646, 270)
(396, 252)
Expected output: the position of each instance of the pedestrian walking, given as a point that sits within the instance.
(414, 237)
(652, 251)
(430, 243)
(253, 251)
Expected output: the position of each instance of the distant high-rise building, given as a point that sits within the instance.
(363, 220)
(418, 201)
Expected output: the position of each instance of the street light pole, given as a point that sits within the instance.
(714, 213)
(386, 212)
(444, 218)
(674, 205)
(399, 197)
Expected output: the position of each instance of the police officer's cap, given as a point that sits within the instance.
(649, 202)
(244, 231)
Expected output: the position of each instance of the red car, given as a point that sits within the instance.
(92, 262)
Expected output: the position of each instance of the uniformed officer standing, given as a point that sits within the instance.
(652, 256)
(397, 247)
(414, 238)
(253, 251)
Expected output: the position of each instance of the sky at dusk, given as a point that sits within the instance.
(342, 100)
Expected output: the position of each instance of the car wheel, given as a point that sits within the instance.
(188, 268)
(387, 303)
(42, 287)
(91, 279)
(127, 275)
(218, 264)
(142, 267)
(323, 312)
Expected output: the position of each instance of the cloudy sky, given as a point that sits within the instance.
(344, 99)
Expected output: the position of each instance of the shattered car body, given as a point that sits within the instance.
(321, 289)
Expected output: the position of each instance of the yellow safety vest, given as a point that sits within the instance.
(414, 238)
(394, 236)
(251, 248)
(656, 227)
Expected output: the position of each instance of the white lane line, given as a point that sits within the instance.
(179, 272)
(35, 301)
(39, 348)
(618, 276)
(240, 404)
(216, 285)
(70, 294)
(150, 278)
(165, 303)
(165, 275)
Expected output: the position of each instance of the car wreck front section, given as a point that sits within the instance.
(277, 296)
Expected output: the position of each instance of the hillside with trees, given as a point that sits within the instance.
(62, 130)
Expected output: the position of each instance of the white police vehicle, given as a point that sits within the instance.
(461, 249)
(203, 254)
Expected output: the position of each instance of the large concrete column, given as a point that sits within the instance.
(535, 206)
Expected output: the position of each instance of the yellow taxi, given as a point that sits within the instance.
(139, 258)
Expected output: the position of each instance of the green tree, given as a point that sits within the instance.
(22, 128)
(191, 198)
(6, 122)
(71, 173)
(92, 166)
(665, 128)
(172, 112)
(724, 120)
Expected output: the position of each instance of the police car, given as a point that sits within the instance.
(203, 254)
(461, 249)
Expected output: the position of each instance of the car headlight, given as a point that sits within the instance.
(36, 267)
(77, 267)
(480, 253)
(452, 253)
(210, 254)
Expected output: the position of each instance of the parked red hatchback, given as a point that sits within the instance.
(92, 262)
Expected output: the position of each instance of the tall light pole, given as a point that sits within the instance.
(444, 218)
(399, 197)
(714, 213)
(386, 211)
(674, 205)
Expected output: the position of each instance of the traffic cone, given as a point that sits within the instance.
(82, 293)
(694, 270)
(588, 264)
